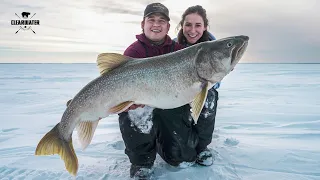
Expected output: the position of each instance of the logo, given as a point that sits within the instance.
(26, 23)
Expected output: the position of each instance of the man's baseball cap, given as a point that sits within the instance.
(156, 8)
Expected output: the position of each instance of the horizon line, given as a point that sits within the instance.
(95, 63)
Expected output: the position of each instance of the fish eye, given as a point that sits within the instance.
(229, 44)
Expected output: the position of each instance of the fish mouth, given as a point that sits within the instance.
(239, 50)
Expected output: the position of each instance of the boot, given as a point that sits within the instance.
(205, 158)
(139, 172)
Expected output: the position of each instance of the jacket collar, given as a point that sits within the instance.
(142, 38)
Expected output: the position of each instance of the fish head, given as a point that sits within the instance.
(218, 58)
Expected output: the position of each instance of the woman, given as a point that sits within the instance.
(193, 26)
(178, 138)
(193, 29)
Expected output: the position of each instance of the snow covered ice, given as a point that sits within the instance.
(267, 125)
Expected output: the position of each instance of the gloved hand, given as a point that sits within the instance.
(217, 85)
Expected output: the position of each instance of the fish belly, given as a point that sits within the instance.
(172, 99)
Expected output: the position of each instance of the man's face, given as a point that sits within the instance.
(155, 27)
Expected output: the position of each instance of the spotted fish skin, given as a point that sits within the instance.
(167, 81)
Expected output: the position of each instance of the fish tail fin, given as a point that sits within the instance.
(52, 144)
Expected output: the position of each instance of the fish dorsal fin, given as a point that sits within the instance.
(108, 61)
(86, 131)
(198, 102)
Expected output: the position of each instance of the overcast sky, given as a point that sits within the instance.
(281, 31)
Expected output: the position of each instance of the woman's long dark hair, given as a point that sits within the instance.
(201, 12)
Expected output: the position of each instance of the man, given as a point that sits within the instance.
(141, 147)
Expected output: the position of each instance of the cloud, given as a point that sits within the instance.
(68, 27)
(280, 31)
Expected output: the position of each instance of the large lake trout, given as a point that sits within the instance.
(167, 81)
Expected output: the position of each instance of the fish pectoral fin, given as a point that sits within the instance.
(120, 107)
(85, 132)
(108, 61)
(198, 102)
(51, 144)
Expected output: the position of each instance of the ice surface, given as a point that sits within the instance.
(267, 125)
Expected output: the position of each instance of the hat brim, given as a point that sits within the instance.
(168, 19)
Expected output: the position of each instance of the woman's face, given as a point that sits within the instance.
(193, 27)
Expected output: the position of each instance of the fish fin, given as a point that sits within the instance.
(52, 143)
(68, 102)
(108, 61)
(198, 102)
(120, 107)
(86, 131)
